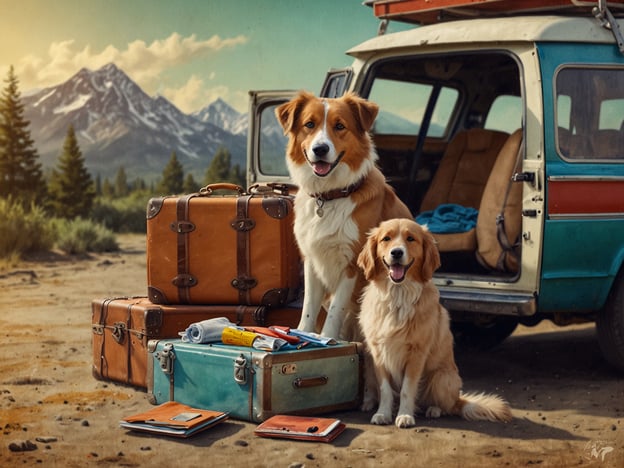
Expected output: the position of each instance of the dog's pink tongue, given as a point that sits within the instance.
(321, 168)
(397, 272)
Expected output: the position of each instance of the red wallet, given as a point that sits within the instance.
(301, 428)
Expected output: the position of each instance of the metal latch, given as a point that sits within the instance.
(119, 332)
(524, 177)
(607, 21)
(165, 358)
(240, 370)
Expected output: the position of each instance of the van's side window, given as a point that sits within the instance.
(272, 160)
(505, 115)
(402, 107)
(590, 113)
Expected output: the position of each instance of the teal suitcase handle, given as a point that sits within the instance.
(310, 381)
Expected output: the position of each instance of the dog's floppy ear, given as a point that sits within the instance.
(364, 111)
(288, 112)
(431, 260)
(368, 256)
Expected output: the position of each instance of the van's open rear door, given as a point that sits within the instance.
(266, 142)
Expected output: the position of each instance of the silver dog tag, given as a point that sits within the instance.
(319, 210)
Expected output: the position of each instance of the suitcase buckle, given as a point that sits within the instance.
(240, 370)
(243, 283)
(119, 332)
(184, 281)
(165, 358)
(182, 227)
(243, 224)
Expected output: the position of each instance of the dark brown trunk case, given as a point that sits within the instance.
(205, 248)
(122, 328)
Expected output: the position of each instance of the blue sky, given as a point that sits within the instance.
(190, 51)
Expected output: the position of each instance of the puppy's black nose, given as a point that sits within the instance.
(321, 150)
(396, 253)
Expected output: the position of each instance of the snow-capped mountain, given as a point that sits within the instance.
(224, 116)
(117, 124)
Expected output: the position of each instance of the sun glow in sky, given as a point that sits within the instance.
(190, 51)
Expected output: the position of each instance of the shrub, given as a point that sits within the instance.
(23, 230)
(125, 214)
(79, 236)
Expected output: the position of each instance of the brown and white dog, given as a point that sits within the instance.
(341, 196)
(407, 330)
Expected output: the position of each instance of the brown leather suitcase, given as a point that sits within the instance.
(210, 248)
(123, 326)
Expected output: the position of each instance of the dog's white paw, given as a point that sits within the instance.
(381, 419)
(405, 420)
(433, 412)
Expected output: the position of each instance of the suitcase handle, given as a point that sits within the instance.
(273, 188)
(310, 381)
(210, 189)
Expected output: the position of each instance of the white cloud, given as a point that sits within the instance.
(143, 62)
(189, 97)
(194, 95)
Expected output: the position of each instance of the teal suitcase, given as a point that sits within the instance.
(254, 385)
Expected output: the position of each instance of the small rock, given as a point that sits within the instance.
(46, 439)
(22, 446)
(241, 443)
(146, 448)
(310, 456)
(84, 423)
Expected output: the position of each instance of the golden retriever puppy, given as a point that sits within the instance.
(407, 331)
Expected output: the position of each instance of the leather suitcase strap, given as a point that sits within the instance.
(184, 280)
(102, 323)
(243, 224)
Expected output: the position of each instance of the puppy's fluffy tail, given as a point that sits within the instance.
(481, 406)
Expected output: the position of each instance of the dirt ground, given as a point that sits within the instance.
(568, 405)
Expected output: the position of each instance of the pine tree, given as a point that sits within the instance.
(190, 186)
(238, 176)
(139, 185)
(98, 185)
(71, 189)
(220, 169)
(108, 190)
(121, 183)
(172, 177)
(20, 171)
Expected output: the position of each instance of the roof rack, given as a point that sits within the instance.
(433, 11)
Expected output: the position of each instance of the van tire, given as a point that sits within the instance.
(483, 335)
(610, 326)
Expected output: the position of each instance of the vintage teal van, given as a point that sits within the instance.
(518, 113)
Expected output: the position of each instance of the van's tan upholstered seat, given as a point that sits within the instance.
(495, 244)
(461, 179)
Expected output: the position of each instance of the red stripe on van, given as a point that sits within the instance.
(585, 196)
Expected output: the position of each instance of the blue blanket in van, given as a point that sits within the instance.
(449, 218)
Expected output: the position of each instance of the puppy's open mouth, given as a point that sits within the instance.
(396, 271)
(323, 168)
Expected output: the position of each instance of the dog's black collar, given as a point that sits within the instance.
(338, 193)
(322, 197)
